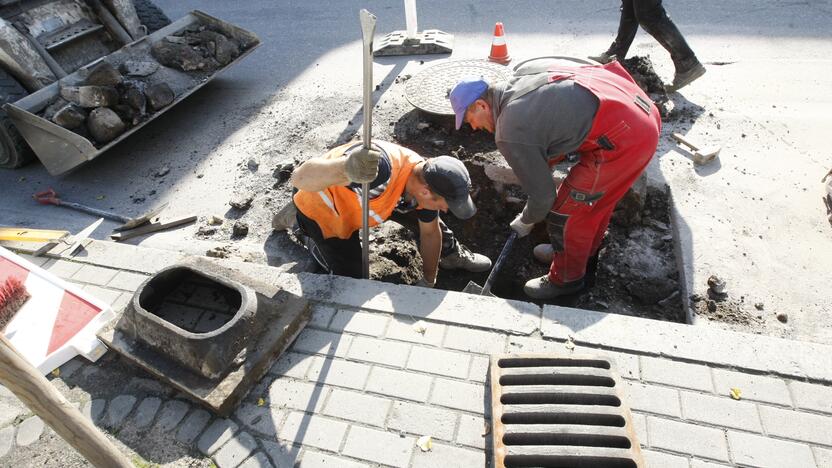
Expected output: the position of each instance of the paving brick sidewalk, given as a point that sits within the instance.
(381, 365)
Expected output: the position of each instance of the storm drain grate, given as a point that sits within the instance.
(556, 411)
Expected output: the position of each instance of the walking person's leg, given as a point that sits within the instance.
(627, 29)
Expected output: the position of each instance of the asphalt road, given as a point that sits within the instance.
(769, 71)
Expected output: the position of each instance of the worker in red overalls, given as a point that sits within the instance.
(594, 114)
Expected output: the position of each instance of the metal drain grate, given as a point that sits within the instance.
(556, 411)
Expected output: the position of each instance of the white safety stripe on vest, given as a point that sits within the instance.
(327, 201)
(372, 213)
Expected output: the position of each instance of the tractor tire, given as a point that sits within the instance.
(14, 152)
(151, 16)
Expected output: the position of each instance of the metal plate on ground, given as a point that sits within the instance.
(428, 90)
(553, 410)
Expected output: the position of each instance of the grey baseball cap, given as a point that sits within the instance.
(448, 177)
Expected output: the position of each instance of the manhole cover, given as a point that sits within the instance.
(429, 89)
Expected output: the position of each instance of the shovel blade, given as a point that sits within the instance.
(474, 288)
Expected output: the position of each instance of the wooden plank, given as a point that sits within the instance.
(22, 234)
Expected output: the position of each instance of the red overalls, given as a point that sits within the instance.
(619, 146)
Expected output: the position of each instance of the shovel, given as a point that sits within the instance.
(49, 197)
(474, 288)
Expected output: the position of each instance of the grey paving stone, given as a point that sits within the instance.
(281, 453)
(62, 268)
(118, 409)
(687, 438)
(358, 407)
(93, 274)
(423, 420)
(296, 394)
(696, 463)
(437, 361)
(362, 323)
(319, 460)
(216, 435)
(399, 384)
(459, 395)
(107, 295)
(802, 427)
(475, 341)
(479, 369)
(315, 431)
(653, 399)
(6, 440)
(258, 460)
(823, 456)
(753, 387)
(127, 281)
(193, 425)
(448, 456)
(753, 450)
(146, 412)
(237, 449)
(322, 342)
(428, 333)
(676, 374)
(292, 365)
(121, 301)
(472, 431)
(93, 409)
(378, 446)
(387, 352)
(260, 419)
(37, 261)
(812, 396)
(339, 373)
(663, 460)
(321, 316)
(640, 425)
(10, 410)
(171, 413)
(29, 431)
(721, 411)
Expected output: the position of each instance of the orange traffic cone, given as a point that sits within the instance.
(499, 50)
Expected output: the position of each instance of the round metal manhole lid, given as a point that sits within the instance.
(428, 90)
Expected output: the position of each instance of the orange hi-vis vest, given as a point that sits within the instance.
(337, 209)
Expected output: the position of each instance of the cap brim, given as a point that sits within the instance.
(462, 209)
(460, 118)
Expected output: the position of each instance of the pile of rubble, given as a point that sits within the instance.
(198, 49)
(109, 101)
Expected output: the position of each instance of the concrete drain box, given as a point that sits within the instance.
(553, 411)
(208, 331)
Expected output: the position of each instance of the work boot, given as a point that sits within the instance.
(542, 288)
(464, 259)
(603, 58)
(682, 79)
(543, 253)
(285, 218)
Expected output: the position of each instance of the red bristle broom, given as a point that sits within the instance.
(13, 295)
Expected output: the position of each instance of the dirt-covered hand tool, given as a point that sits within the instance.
(474, 288)
(368, 28)
(49, 197)
(701, 154)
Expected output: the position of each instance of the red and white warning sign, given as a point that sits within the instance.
(58, 322)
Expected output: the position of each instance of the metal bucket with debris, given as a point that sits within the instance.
(159, 70)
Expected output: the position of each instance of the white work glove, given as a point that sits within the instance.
(362, 165)
(423, 283)
(522, 229)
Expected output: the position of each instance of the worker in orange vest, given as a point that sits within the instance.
(402, 186)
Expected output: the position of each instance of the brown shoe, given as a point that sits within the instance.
(680, 80)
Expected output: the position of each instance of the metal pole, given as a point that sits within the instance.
(368, 27)
(410, 18)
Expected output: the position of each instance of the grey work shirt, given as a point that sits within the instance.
(552, 120)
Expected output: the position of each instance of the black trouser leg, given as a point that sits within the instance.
(653, 18)
(336, 256)
(411, 221)
(627, 28)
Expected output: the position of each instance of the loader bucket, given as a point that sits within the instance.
(61, 150)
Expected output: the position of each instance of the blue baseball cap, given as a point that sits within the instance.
(464, 93)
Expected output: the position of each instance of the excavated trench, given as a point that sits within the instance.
(637, 273)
